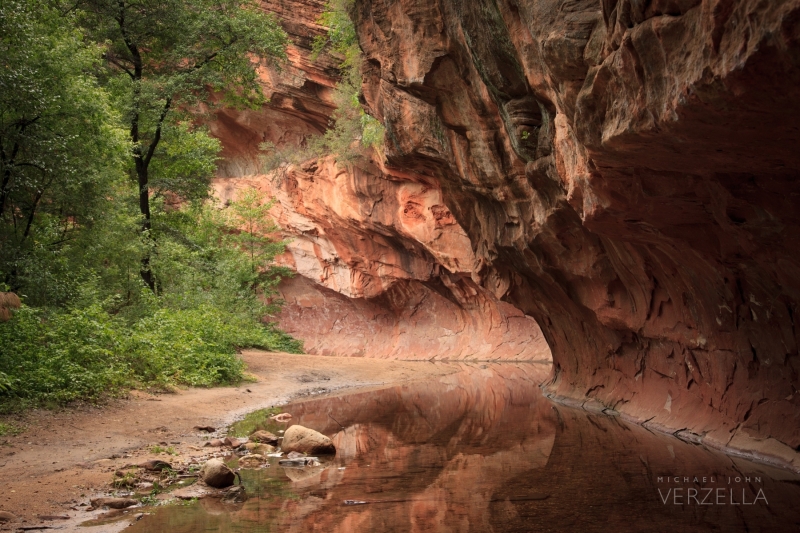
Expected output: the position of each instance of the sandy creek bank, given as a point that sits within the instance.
(64, 457)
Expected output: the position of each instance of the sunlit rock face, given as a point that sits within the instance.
(424, 324)
(384, 268)
(627, 175)
(373, 283)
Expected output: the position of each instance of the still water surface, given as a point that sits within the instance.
(483, 451)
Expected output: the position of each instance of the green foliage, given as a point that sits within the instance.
(87, 353)
(77, 264)
(353, 130)
(345, 137)
(182, 49)
(152, 498)
(127, 480)
(255, 421)
(187, 160)
(93, 94)
(215, 276)
(250, 214)
(341, 36)
(192, 347)
(170, 450)
(9, 429)
(60, 146)
(61, 357)
(5, 383)
(168, 60)
(222, 258)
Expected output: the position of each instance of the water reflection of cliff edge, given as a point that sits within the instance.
(482, 450)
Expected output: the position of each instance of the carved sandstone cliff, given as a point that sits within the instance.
(627, 175)
(624, 173)
(384, 268)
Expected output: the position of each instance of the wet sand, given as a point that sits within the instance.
(62, 458)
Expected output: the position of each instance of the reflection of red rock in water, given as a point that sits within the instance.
(624, 174)
(482, 451)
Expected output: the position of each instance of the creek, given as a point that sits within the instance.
(482, 450)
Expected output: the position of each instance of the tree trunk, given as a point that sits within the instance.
(141, 161)
(144, 208)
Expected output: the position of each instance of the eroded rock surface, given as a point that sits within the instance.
(304, 440)
(300, 93)
(215, 473)
(386, 270)
(627, 175)
(623, 173)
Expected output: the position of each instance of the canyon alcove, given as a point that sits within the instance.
(613, 185)
(622, 175)
(526, 265)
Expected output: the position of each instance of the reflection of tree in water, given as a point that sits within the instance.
(482, 450)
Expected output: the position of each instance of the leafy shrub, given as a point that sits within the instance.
(191, 347)
(61, 357)
(9, 429)
(255, 421)
(87, 353)
(109, 332)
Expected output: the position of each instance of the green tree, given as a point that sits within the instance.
(60, 146)
(252, 224)
(220, 257)
(78, 119)
(169, 60)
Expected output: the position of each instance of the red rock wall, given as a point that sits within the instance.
(379, 275)
(384, 269)
(410, 321)
(623, 173)
(300, 93)
(627, 175)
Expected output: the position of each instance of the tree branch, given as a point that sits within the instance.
(33, 165)
(32, 213)
(157, 137)
(119, 65)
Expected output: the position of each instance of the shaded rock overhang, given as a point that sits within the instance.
(625, 173)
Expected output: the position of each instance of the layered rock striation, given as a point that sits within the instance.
(627, 175)
(300, 91)
(384, 269)
(622, 173)
(379, 275)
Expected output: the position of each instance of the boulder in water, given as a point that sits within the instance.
(215, 473)
(304, 440)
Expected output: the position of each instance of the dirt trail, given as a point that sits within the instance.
(64, 457)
